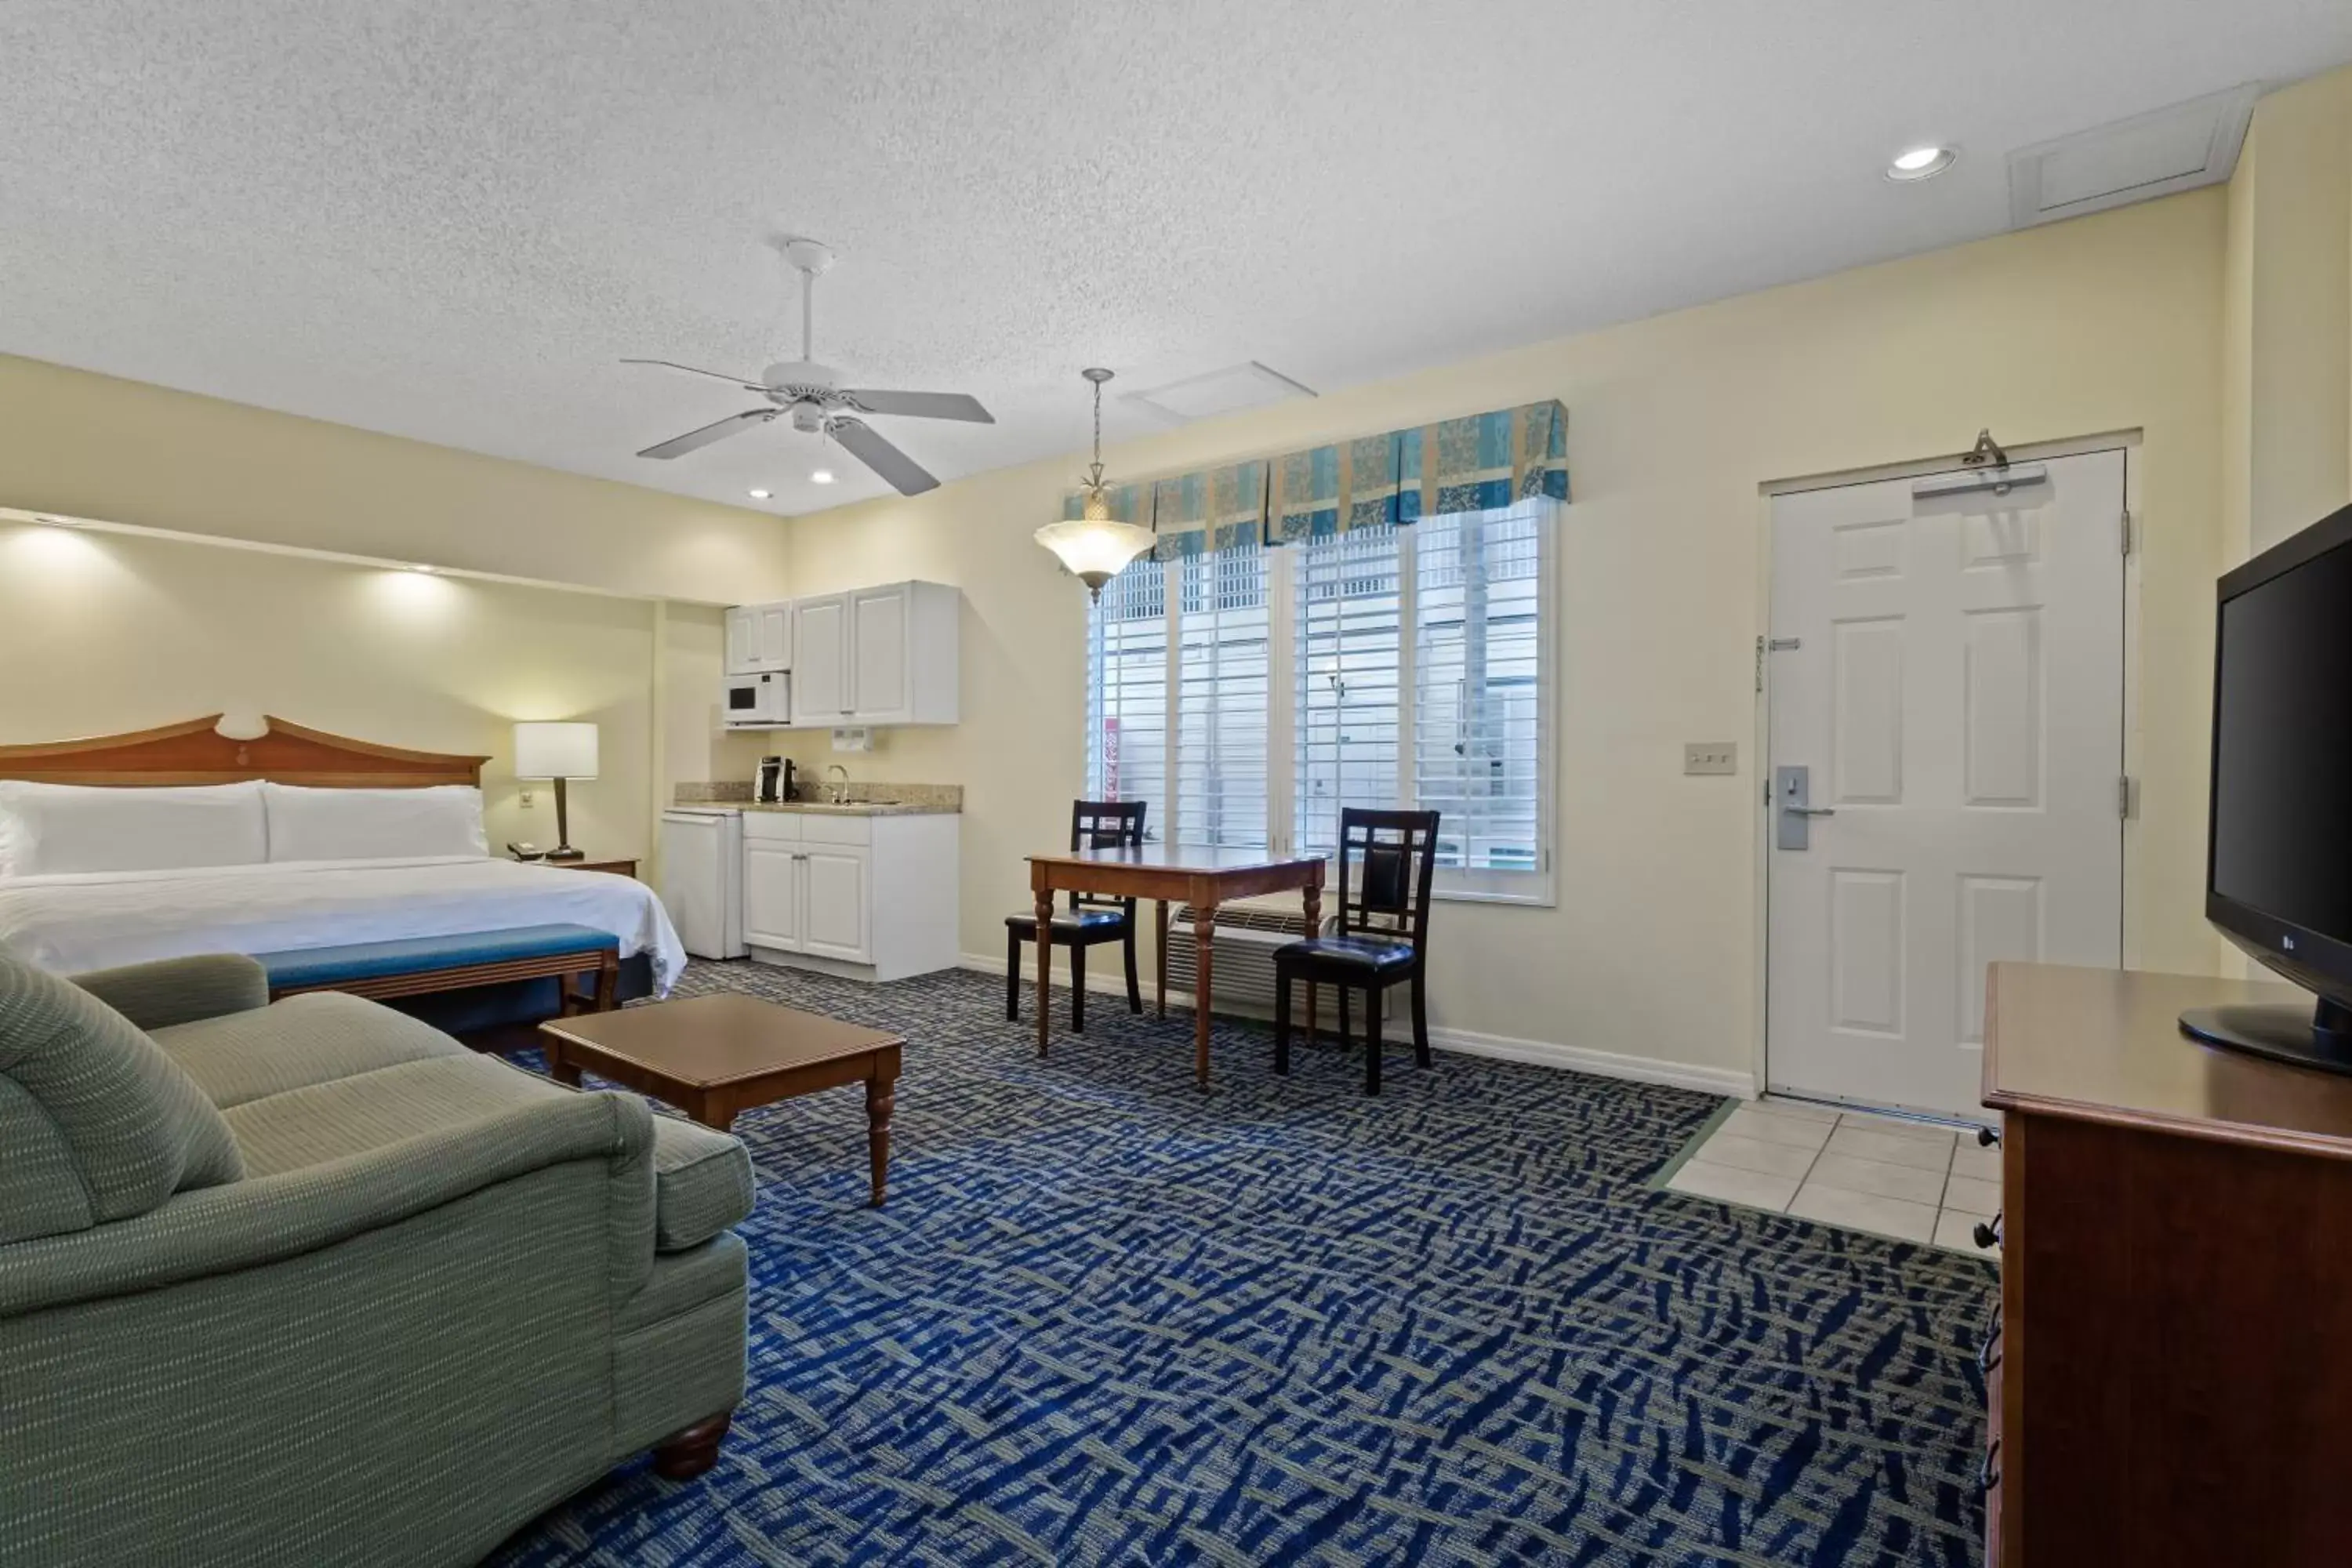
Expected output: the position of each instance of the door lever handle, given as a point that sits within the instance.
(1810, 810)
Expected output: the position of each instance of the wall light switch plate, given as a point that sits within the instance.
(1710, 756)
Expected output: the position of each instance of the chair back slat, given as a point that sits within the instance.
(1387, 860)
(1106, 825)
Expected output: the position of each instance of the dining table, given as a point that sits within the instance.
(1203, 878)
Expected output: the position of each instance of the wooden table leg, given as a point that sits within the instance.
(1041, 889)
(1160, 908)
(561, 1070)
(880, 1097)
(1204, 933)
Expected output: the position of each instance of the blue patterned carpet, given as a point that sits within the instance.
(1107, 1320)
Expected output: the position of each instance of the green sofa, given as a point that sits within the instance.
(311, 1283)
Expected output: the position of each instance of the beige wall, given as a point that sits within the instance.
(105, 632)
(2287, 405)
(2107, 325)
(125, 631)
(92, 446)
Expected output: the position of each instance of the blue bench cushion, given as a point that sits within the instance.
(421, 954)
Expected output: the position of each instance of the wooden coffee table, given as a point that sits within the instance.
(713, 1057)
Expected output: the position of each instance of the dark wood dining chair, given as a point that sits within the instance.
(1091, 921)
(1387, 860)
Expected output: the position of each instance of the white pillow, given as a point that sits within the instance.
(49, 829)
(373, 824)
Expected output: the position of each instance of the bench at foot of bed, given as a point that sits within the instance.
(415, 966)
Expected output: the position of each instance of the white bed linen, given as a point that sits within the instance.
(95, 919)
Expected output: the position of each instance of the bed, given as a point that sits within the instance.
(110, 900)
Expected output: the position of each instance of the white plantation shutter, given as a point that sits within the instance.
(1126, 692)
(1350, 620)
(1223, 696)
(1477, 686)
(1385, 666)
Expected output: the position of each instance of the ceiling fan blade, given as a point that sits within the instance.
(863, 442)
(679, 446)
(690, 370)
(923, 406)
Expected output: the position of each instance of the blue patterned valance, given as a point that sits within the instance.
(1330, 490)
(1485, 461)
(1472, 464)
(1214, 508)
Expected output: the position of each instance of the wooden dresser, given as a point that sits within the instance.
(2170, 1374)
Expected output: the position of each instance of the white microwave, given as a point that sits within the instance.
(755, 701)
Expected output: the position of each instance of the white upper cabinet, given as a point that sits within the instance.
(759, 638)
(821, 652)
(885, 655)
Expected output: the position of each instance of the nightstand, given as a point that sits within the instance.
(616, 868)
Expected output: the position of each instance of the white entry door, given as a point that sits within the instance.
(1947, 665)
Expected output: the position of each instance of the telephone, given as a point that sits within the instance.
(526, 851)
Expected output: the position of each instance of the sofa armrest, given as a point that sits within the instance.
(180, 990)
(263, 1219)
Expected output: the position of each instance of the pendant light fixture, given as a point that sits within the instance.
(1095, 547)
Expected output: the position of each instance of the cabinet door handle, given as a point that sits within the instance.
(1988, 1355)
(1987, 1138)
(1988, 1473)
(1988, 1232)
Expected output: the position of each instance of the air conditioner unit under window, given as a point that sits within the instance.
(1247, 934)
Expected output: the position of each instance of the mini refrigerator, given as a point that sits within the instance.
(702, 878)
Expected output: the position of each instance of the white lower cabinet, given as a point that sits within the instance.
(871, 897)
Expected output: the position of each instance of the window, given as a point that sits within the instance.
(1477, 729)
(1126, 692)
(1224, 690)
(1250, 695)
(1349, 721)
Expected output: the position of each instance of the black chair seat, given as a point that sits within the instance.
(1084, 918)
(1351, 953)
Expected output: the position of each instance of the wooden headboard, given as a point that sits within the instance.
(196, 753)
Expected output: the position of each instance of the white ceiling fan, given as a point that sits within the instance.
(809, 393)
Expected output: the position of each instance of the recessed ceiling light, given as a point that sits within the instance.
(821, 477)
(762, 495)
(1921, 163)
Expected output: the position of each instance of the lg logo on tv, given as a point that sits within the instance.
(2287, 942)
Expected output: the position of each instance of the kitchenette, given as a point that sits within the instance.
(855, 879)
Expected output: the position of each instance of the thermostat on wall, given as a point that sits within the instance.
(859, 739)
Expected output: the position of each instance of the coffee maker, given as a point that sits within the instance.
(773, 782)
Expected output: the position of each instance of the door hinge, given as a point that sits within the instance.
(2124, 795)
(2126, 533)
(1760, 664)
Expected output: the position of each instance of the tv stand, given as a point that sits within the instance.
(2170, 1368)
(2282, 1031)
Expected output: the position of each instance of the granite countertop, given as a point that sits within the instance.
(864, 799)
(851, 807)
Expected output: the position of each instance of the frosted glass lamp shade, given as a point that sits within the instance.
(555, 750)
(1096, 549)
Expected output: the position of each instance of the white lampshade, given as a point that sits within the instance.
(1096, 549)
(545, 751)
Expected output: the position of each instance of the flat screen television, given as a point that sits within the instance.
(2278, 858)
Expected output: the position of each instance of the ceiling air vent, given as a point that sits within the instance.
(2148, 155)
(1229, 391)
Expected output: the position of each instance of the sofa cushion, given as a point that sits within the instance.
(702, 1184)
(316, 1038)
(371, 1109)
(93, 1103)
(702, 1178)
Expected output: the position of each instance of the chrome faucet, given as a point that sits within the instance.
(837, 788)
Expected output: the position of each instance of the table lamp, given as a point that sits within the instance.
(561, 752)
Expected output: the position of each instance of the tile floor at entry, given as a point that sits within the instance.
(1913, 1180)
